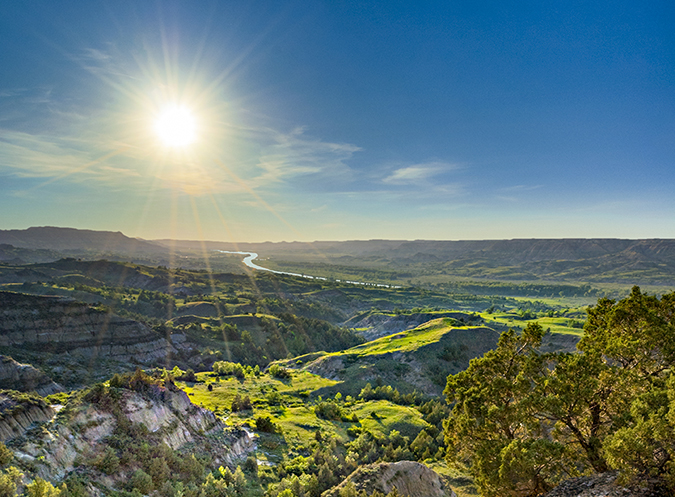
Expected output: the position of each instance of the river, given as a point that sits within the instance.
(250, 256)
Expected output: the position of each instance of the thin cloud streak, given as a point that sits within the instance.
(293, 154)
(419, 173)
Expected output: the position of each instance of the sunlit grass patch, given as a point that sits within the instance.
(382, 416)
(405, 341)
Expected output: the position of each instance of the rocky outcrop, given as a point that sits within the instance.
(59, 326)
(25, 378)
(19, 413)
(605, 485)
(167, 414)
(411, 479)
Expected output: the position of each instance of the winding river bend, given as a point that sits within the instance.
(251, 256)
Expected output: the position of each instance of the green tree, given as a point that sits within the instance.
(523, 420)
(41, 488)
(6, 455)
(493, 428)
(142, 482)
(9, 479)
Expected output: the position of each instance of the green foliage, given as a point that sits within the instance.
(108, 462)
(188, 375)
(142, 482)
(41, 488)
(6, 455)
(224, 368)
(329, 410)
(138, 381)
(280, 372)
(523, 420)
(493, 417)
(9, 479)
(387, 392)
(265, 423)
(215, 487)
(240, 403)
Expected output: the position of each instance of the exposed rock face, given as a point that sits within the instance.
(605, 485)
(25, 378)
(410, 478)
(168, 415)
(47, 324)
(19, 415)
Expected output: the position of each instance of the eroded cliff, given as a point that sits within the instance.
(61, 326)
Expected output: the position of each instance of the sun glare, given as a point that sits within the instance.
(176, 126)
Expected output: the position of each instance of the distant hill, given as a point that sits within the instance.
(76, 241)
(512, 251)
(601, 260)
(18, 255)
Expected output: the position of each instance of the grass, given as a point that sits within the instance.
(293, 411)
(512, 320)
(460, 483)
(405, 341)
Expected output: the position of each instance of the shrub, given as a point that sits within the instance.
(108, 462)
(189, 375)
(142, 482)
(274, 399)
(251, 465)
(41, 488)
(265, 423)
(6, 455)
(240, 403)
(224, 368)
(328, 410)
(279, 372)
(9, 479)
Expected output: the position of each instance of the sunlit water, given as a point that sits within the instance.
(250, 256)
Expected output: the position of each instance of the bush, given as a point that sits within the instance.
(224, 368)
(251, 465)
(9, 480)
(274, 399)
(142, 482)
(189, 375)
(329, 410)
(240, 403)
(265, 423)
(279, 372)
(108, 462)
(6, 455)
(41, 488)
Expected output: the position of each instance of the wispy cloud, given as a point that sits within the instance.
(294, 154)
(513, 193)
(12, 92)
(520, 188)
(96, 55)
(418, 173)
(37, 156)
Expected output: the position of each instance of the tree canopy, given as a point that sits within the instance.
(523, 420)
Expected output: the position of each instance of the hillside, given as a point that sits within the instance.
(75, 240)
(140, 433)
(73, 342)
(419, 359)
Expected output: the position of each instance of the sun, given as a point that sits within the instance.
(176, 126)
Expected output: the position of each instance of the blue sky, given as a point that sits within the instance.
(329, 120)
